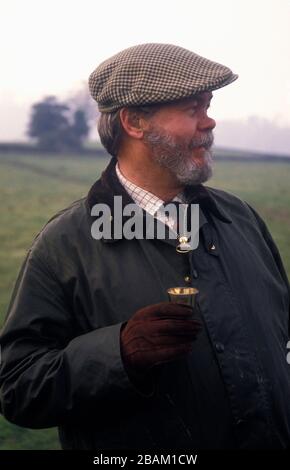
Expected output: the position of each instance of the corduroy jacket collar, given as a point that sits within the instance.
(108, 186)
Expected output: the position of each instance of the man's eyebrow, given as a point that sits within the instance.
(198, 99)
(202, 98)
(191, 103)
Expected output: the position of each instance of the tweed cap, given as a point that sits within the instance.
(154, 73)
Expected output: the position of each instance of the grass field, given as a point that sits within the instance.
(33, 188)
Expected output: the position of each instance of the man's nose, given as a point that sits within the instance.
(206, 123)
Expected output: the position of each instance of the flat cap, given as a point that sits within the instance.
(154, 73)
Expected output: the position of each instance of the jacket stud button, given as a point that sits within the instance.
(219, 347)
(212, 247)
(195, 273)
(239, 422)
(187, 279)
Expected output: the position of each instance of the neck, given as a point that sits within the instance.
(145, 173)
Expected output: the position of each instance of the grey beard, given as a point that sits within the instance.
(176, 157)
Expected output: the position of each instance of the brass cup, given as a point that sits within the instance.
(183, 295)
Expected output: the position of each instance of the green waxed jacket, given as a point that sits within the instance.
(61, 363)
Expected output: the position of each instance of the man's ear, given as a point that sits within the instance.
(132, 123)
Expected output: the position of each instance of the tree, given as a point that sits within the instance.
(50, 125)
(82, 100)
(80, 126)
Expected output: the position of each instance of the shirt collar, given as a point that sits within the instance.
(145, 199)
(109, 185)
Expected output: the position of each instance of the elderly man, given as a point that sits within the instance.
(91, 343)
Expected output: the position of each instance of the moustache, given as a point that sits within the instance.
(205, 141)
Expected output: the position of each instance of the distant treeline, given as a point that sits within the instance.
(98, 151)
(248, 156)
(30, 149)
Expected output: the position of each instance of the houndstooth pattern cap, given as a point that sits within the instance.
(154, 73)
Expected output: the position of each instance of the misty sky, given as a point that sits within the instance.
(52, 47)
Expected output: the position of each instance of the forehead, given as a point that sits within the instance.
(200, 98)
(173, 108)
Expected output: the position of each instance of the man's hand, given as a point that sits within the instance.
(156, 334)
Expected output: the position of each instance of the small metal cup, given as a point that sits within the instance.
(183, 295)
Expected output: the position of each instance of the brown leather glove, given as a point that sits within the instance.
(157, 334)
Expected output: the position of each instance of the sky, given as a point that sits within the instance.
(50, 48)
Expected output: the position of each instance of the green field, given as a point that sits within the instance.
(33, 188)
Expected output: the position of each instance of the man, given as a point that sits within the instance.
(91, 343)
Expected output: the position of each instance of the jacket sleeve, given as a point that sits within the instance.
(49, 375)
(275, 253)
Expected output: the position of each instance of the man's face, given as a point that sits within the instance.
(180, 137)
